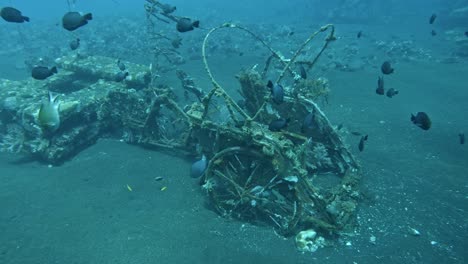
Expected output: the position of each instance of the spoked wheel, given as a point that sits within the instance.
(243, 183)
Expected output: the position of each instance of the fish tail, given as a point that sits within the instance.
(88, 16)
(270, 84)
(53, 69)
(413, 118)
(196, 23)
(26, 18)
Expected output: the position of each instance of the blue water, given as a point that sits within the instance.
(83, 211)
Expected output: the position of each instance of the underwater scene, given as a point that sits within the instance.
(249, 131)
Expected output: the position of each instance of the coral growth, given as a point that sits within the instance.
(13, 139)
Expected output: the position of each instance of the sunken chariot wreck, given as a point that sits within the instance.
(301, 183)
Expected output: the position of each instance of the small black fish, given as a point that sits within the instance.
(359, 34)
(433, 32)
(355, 133)
(391, 92)
(339, 127)
(361, 142)
(380, 86)
(74, 44)
(309, 123)
(386, 68)
(461, 137)
(120, 76)
(185, 24)
(466, 33)
(277, 92)
(277, 125)
(42, 73)
(241, 54)
(11, 14)
(303, 72)
(121, 65)
(74, 20)
(291, 33)
(422, 120)
(198, 167)
(432, 18)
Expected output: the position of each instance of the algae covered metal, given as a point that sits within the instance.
(296, 179)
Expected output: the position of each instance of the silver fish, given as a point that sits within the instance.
(49, 116)
(199, 167)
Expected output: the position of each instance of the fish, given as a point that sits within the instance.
(466, 33)
(277, 92)
(74, 44)
(120, 76)
(121, 65)
(422, 120)
(42, 72)
(309, 122)
(198, 167)
(380, 86)
(303, 72)
(386, 67)
(433, 32)
(359, 34)
(432, 18)
(339, 127)
(392, 92)
(355, 133)
(167, 8)
(277, 125)
(13, 15)
(361, 142)
(49, 116)
(185, 24)
(74, 20)
(461, 137)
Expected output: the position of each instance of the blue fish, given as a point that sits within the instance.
(277, 92)
(309, 122)
(278, 125)
(198, 167)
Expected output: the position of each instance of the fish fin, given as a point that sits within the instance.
(53, 97)
(88, 16)
(270, 84)
(53, 69)
(196, 23)
(26, 18)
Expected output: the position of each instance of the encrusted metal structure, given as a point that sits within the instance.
(290, 180)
